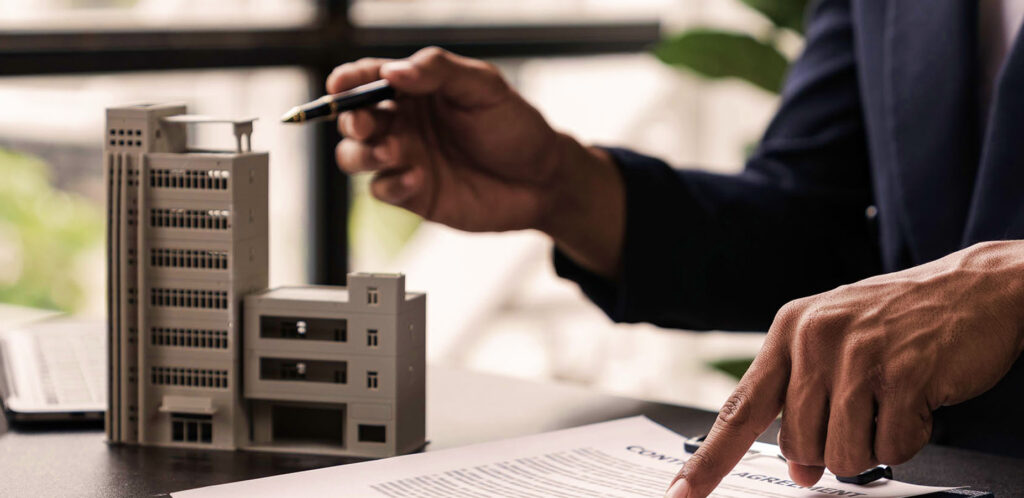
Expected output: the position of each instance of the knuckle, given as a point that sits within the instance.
(431, 55)
(845, 403)
(736, 410)
(820, 327)
(370, 67)
(890, 380)
(790, 316)
(818, 321)
(806, 349)
(862, 349)
(347, 67)
(362, 64)
(490, 68)
(370, 61)
(789, 311)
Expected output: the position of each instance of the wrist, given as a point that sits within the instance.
(1004, 261)
(586, 208)
(1015, 276)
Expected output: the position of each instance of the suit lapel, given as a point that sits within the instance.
(931, 96)
(997, 211)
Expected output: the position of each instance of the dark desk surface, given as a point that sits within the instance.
(463, 408)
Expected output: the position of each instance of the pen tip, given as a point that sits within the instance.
(290, 116)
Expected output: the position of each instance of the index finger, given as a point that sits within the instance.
(353, 74)
(750, 409)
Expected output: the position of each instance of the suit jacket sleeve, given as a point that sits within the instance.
(708, 251)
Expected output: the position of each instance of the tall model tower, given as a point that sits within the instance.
(187, 240)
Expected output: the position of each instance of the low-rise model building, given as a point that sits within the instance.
(351, 359)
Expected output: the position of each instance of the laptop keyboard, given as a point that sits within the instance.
(70, 367)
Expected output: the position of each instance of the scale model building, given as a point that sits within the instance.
(326, 369)
(350, 360)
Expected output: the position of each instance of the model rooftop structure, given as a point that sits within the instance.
(187, 245)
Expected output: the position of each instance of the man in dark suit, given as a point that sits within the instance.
(889, 188)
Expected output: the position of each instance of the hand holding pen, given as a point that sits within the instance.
(457, 145)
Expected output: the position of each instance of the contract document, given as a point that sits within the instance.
(632, 457)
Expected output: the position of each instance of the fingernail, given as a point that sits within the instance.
(679, 489)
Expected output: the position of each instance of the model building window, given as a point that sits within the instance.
(372, 296)
(311, 329)
(371, 338)
(372, 433)
(189, 377)
(371, 380)
(189, 428)
(304, 370)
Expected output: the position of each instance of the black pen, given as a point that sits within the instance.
(329, 106)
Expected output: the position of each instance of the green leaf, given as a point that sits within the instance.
(720, 54)
(734, 367)
(783, 13)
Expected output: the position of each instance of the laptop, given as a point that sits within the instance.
(54, 369)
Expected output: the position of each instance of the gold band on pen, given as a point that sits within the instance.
(330, 106)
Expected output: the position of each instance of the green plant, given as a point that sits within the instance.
(715, 53)
(46, 236)
(733, 367)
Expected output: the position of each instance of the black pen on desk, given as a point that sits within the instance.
(329, 106)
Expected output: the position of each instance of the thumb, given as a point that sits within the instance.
(462, 81)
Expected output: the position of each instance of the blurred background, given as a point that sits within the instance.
(691, 81)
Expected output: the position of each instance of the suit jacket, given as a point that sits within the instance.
(875, 161)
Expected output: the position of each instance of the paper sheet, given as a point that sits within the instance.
(632, 457)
